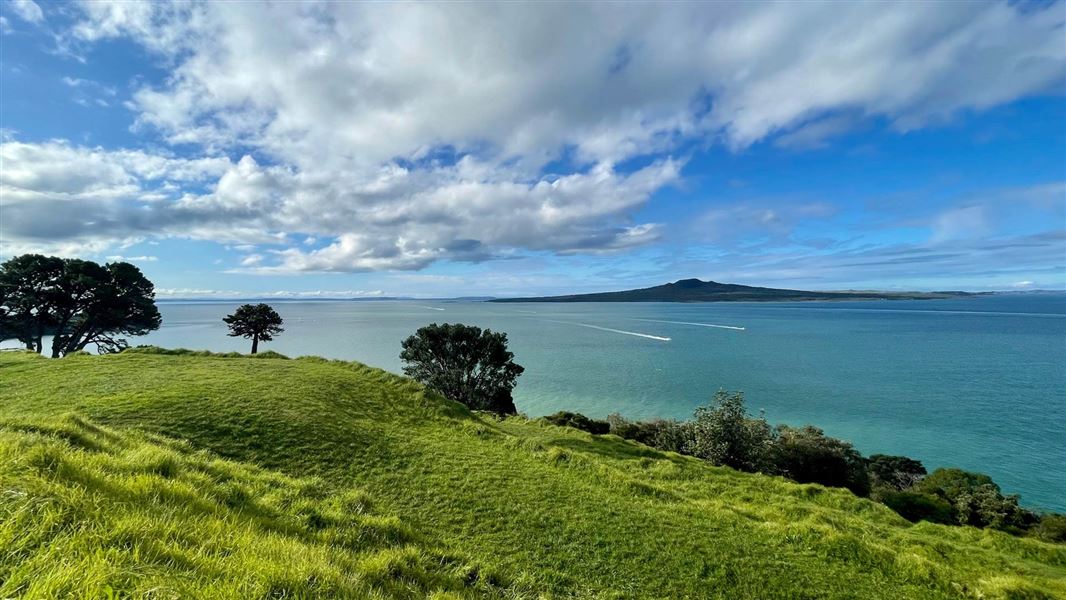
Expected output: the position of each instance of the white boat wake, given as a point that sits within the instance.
(430, 307)
(733, 327)
(622, 331)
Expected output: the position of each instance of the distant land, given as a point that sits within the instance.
(695, 290)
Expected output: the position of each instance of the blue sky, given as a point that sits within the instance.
(312, 149)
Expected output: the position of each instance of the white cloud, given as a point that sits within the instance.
(27, 10)
(61, 170)
(193, 293)
(251, 260)
(120, 258)
(964, 222)
(380, 80)
(396, 135)
(400, 219)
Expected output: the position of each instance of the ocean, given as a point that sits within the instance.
(978, 383)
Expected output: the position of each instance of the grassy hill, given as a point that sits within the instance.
(205, 476)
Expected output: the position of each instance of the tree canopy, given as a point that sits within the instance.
(465, 364)
(78, 302)
(724, 434)
(258, 322)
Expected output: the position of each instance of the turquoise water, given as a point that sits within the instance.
(978, 383)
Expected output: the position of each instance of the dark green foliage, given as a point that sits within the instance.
(807, 455)
(977, 500)
(952, 483)
(78, 302)
(26, 298)
(918, 506)
(662, 434)
(894, 472)
(985, 506)
(578, 421)
(464, 363)
(1050, 528)
(724, 434)
(256, 322)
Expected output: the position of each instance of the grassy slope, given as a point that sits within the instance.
(544, 509)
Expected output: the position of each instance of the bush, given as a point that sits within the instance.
(661, 434)
(985, 506)
(917, 506)
(724, 434)
(952, 483)
(1050, 528)
(807, 455)
(578, 421)
(977, 500)
(894, 472)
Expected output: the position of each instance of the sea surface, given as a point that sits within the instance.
(978, 383)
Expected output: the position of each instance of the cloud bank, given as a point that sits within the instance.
(400, 135)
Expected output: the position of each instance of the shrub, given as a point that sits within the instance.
(977, 500)
(917, 506)
(985, 506)
(951, 483)
(661, 434)
(724, 434)
(894, 472)
(807, 455)
(1050, 528)
(578, 421)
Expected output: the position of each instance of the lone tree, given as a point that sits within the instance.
(465, 364)
(78, 302)
(254, 321)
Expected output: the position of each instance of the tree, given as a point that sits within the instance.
(256, 322)
(724, 434)
(976, 500)
(27, 285)
(1051, 528)
(77, 302)
(464, 363)
(807, 455)
(897, 473)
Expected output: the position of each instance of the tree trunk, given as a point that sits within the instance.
(255, 343)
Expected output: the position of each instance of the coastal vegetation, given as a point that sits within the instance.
(257, 322)
(76, 302)
(189, 474)
(723, 433)
(465, 364)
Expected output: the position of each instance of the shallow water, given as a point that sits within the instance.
(978, 383)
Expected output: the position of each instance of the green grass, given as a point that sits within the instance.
(202, 476)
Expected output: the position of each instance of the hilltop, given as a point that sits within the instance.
(183, 474)
(695, 290)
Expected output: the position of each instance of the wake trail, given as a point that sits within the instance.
(733, 327)
(430, 307)
(622, 331)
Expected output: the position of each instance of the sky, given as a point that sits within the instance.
(449, 149)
